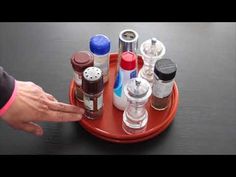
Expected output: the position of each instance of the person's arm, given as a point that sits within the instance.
(25, 103)
(7, 91)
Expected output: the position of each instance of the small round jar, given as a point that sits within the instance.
(164, 74)
(135, 116)
(92, 85)
(100, 47)
(80, 61)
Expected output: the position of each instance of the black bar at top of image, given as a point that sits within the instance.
(121, 11)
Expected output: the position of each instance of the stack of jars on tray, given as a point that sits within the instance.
(132, 88)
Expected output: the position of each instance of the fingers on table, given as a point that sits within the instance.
(63, 107)
(58, 116)
(59, 112)
(32, 128)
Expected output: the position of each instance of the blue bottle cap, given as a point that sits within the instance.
(100, 44)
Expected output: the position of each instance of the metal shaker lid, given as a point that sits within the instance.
(138, 88)
(92, 80)
(128, 40)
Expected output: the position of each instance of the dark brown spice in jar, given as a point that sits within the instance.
(92, 85)
(164, 74)
(80, 61)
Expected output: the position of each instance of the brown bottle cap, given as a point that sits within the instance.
(92, 81)
(81, 60)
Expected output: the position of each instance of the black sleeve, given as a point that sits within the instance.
(7, 85)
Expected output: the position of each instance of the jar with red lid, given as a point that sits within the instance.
(80, 61)
(127, 71)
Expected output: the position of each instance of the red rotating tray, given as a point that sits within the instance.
(109, 126)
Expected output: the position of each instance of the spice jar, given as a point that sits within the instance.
(164, 74)
(92, 84)
(100, 47)
(80, 61)
(151, 50)
(135, 116)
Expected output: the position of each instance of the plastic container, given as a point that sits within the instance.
(127, 71)
(100, 47)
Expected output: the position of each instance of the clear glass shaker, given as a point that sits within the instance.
(151, 50)
(135, 116)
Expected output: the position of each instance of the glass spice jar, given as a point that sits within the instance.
(164, 74)
(80, 61)
(92, 85)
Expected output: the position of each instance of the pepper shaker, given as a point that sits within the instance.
(151, 50)
(93, 86)
(135, 116)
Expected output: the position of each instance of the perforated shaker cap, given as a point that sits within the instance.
(128, 40)
(92, 81)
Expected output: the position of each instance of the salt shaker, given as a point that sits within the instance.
(92, 84)
(151, 50)
(135, 116)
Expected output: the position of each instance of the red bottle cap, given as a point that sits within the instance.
(128, 60)
(81, 60)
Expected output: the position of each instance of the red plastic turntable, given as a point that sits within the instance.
(109, 126)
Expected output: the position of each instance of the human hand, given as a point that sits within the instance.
(32, 105)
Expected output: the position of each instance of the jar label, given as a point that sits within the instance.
(100, 102)
(88, 103)
(78, 78)
(104, 66)
(161, 89)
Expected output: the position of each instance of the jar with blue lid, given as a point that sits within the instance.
(100, 47)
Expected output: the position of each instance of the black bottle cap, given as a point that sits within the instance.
(165, 69)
